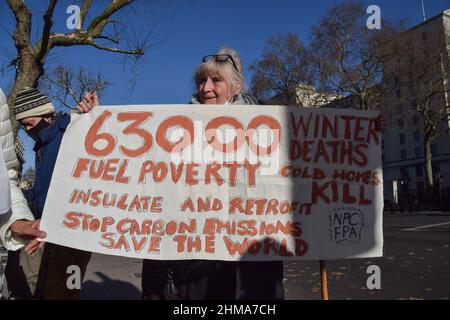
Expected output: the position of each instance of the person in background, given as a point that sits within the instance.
(37, 116)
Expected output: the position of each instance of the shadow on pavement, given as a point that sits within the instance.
(109, 289)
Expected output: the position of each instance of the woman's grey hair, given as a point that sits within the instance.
(235, 78)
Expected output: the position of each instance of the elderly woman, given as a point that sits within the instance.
(219, 80)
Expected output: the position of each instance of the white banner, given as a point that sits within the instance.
(219, 182)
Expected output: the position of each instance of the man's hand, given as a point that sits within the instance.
(29, 230)
(89, 101)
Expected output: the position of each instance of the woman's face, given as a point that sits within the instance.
(212, 89)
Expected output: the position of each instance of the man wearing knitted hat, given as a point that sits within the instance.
(37, 116)
(17, 225)
(16, 220)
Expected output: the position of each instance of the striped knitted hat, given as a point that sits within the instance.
(32, 103)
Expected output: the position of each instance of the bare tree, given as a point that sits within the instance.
(347, 54)
(68, 86)
(419, 76)
(101, 32)
(344, 60)
(284, 71)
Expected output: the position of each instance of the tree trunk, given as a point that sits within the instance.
(428, 162)
(30, 72)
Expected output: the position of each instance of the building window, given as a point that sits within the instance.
(418, 152)
(403, 154)
(424, 36)
(436, 169)
(401, 136)
(419, 170)
(398, 93)
(404, 173)
(417, 136)
(401, 123)
(390, 116)
(396, 81)
(416, 117)
(420, 187)
(434, 149)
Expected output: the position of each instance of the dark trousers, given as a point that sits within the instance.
(16, 278)
(248, 280)
(53, 274)
(21, 273)
(261, 280)
(176, 280)
(193, 290)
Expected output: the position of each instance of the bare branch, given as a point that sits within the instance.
(83, 38)
(109, 39)
(63, 84)
(98, 46)
(48, 22)
(84, 10)
(97, 25)
(63, 81)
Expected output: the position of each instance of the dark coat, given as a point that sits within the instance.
(46, 153)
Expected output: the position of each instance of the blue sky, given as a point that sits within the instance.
(188, 30)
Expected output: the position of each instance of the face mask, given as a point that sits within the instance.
(33, 133)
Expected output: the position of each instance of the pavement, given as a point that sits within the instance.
(111, 278)
(415, 266)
